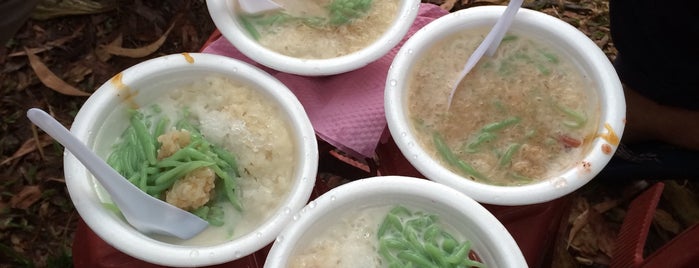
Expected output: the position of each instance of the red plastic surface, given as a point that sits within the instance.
(634, 230)
(680, 252)
(533, 226)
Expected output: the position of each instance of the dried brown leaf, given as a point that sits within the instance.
(579, 206)
(101, 51)
(666, 221)
(26, 197)
(578, 224)
(448, 4)
(589, 232)
(49, 79)
(606, 237)
(61, 180)
(585, 261)
(35, 134)
(44, 209)
(34, 50)
(585, 243)
(594, 237)
(682, 200)
(29, 146)
(606, 205)
(51, 44)
(78, 72)
(141, 51)
(52, 9)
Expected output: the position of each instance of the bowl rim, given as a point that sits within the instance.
(222, 11)
(125, 238)
(612, 107)
(506, 248)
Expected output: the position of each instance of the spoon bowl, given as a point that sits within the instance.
(490, 43)
(144, 212)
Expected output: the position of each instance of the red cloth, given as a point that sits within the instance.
(346, 110)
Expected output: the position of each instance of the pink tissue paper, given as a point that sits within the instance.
(346, 110)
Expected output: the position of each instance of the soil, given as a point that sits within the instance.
(37, 217)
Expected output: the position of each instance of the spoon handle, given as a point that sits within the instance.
(490, 43)
(503, 24)
(258, 6)
(110, 179)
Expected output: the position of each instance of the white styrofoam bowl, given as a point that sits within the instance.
(490, 240)
(223, 13)
(536, 25)
(140, 85)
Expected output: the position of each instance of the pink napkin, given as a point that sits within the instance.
(346, 110)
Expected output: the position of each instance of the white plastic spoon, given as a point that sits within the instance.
(490, 43)
(144, 212)
(258, 6)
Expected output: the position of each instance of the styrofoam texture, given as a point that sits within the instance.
(99, 123)
(539, 26)
(223, 13)
(490, 240)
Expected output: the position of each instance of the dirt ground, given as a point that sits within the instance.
(66, 50)
(37, 218)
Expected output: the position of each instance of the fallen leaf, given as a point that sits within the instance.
(29, 146)
(52, 9)
(595, 236)
(666, 221)
(590, 235)
(78, 72)
(26, 197)
(603, 42)
(584, 261)
(682, 200)
(34, 50)
(141, 51)
(606, 235)
(51, 44)
(50, 79)
(578, 224)
(44, 210)
(61, 180)
(606, 205)
(35, 134)
(448, 4)
(585, 244)
(579, 205)
(38, 29)
(101, 51)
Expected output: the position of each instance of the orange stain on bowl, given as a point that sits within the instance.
(124, 92)
(586, 166)
(606, 148)
(188, 57)
(610, 136)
